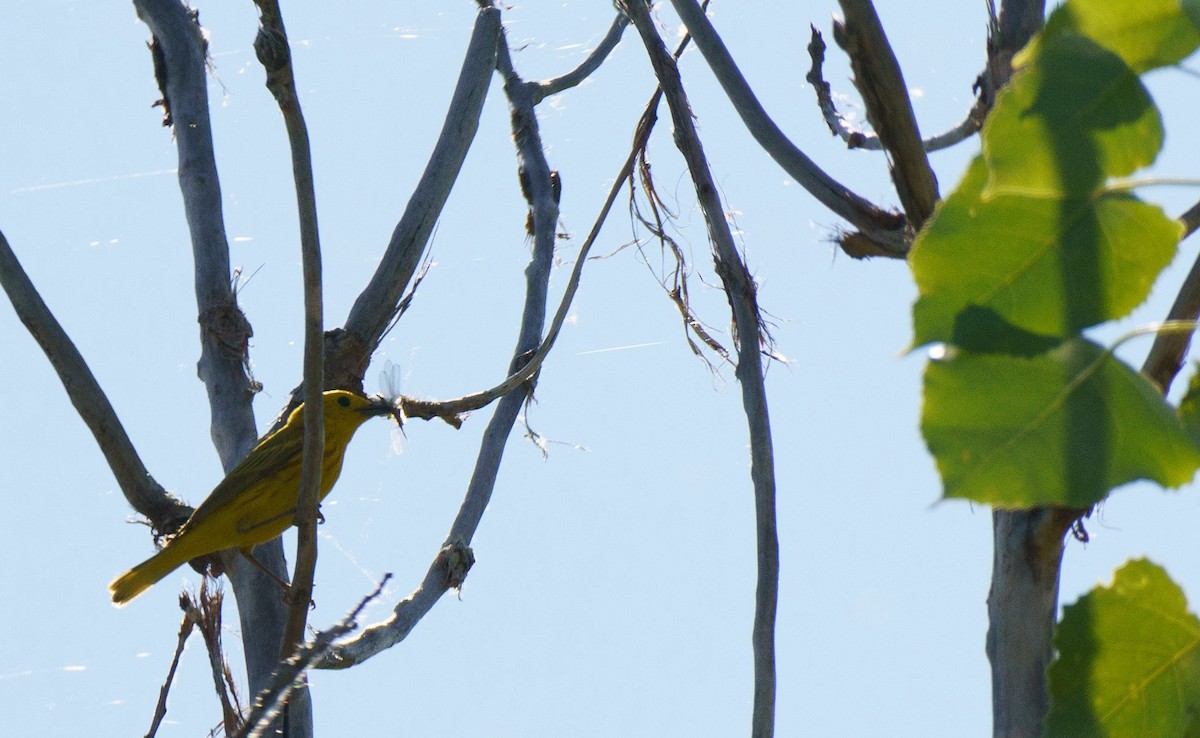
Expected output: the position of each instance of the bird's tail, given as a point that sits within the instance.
(143, 576)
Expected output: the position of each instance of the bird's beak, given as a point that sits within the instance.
(379, 406)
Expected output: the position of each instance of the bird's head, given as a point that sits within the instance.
(343, 403)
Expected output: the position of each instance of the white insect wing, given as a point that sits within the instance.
(389, 387)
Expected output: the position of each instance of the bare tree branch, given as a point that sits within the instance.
(678, 292)
(1190, 220)
(455, 558)
(1008, 32)
(544, 89)
(856, 139)
(349, 350)
(185, 630)
(886, 229)
(451, 410)
(224, 328)
(373, 310)
(881, 83)
(451, 564)
(205, 608)
(274, 52)
(144, 494)
(290, 674)
(535, 175)
(181, 72)
(740, 291)
(1022, 610)
(1169, 349)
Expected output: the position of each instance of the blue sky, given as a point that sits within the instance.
(613, 589)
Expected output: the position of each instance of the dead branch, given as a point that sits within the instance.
(205, 608)
(373, 310)
(454, 559)
(274, 52)
(858, 139)
(881, 83)
(450, 566)
(224, 329)
(740, 290)
(144, 494)
(544, 89)
(886, 229)
(185, 630)
(225, 332)
(278, 692)
(1169, 349)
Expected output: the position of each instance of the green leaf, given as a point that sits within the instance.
(1060, 428)
(1036, 245)
(981, 330)
(1128, 664)
(1046, 266)
(1069, 122)
(1145, 33)
(1191, 9)
(1189, 406)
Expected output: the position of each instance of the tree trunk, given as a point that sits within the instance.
(1022, 611)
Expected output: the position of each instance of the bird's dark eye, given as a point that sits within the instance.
(344, 401)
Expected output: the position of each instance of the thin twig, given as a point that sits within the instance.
(206, 609)
(451, 410)
(740, 291)
(881, 83)
(967, 127)
(887, 229)
(185, 630)
(290, 673)
(546, 88)
(858, 139)
(678, 292)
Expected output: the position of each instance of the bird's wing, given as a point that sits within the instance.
(274, 454)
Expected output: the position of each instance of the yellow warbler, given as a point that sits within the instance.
(256, 502)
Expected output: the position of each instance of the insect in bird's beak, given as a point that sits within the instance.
(389, 383)
(383, 406)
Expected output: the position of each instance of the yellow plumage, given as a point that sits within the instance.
(256, 502)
